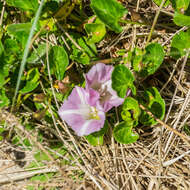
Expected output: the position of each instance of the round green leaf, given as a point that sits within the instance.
(180, 44)
(123, 133)
(109, 12)
(130, 111)
(152, 59)
(180, 5)
(153, 101)
(181, 20)
(122, 80)
(96, 31)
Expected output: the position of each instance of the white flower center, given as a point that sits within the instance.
(89, 112)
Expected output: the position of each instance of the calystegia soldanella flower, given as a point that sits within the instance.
(99, 79)
(82, 111)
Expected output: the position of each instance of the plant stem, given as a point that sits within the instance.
(154, 22)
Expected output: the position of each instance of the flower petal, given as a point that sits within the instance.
(79, 110)
(98, 73)
(113, 101)
(93, 97)
(99, 78)
(91, 126)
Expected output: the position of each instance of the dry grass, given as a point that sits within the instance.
(158, 160)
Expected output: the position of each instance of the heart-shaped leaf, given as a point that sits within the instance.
(181, 20)
(152, 59)
(123, 133)
(153, 101)
(122, 80)
(58, 61)
(109, 12)
(180, 44)
(180, 5)
(96, 31)
(130, 111)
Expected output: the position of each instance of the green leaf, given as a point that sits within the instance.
(180, 5)
(95, 141)
(97, 138)
(37, 54)
(130, 111)
(152, 59)
(20, 32)
(1, 130)
(153, 101)
(14, 29)
(42, 178)
(4, 101)
(58, 61)
(32, 82)
(11, 46)
(26, 5)
(123, 133)
(41, 156)
(96, 31)
(122, 80)
(88, 50)
(4, 72)
(137, 57)
(158, 2)
(180, 44)
(109, 12)
(181, 20)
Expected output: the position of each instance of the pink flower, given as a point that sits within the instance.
(99, 79)
(82, 111)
